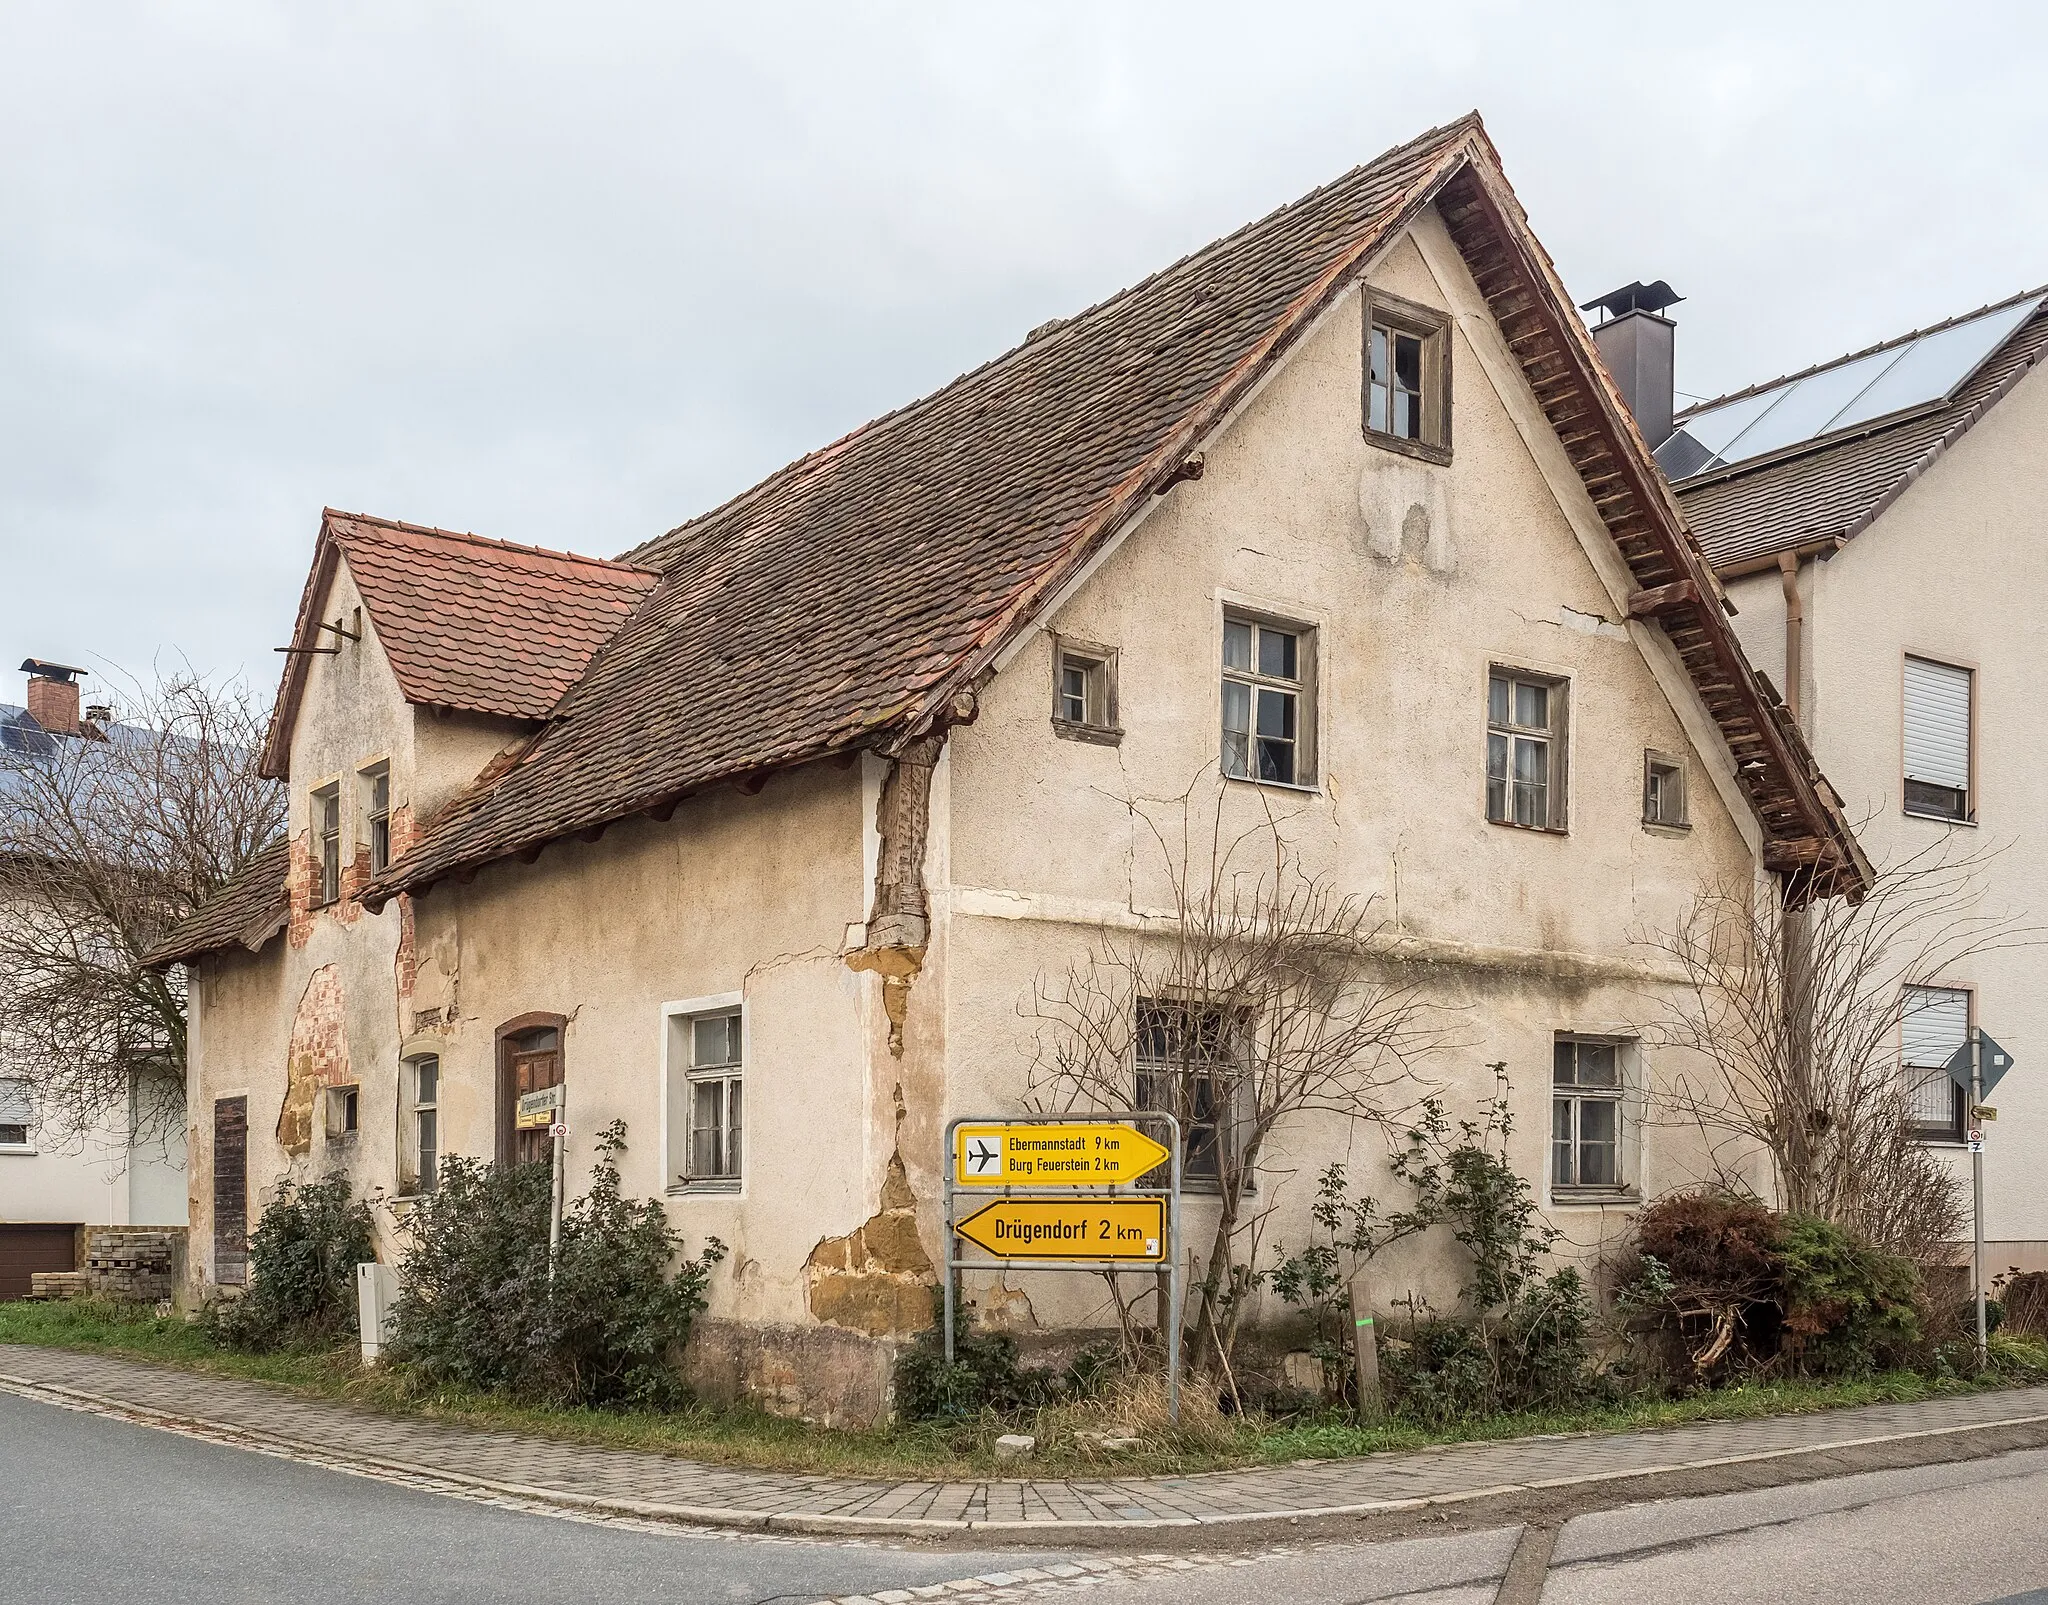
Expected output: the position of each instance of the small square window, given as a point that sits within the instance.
(1084, 691)
(1664, 792)
(1268, 702)
(344, 1113)
(1407, 377)
(1525, 750)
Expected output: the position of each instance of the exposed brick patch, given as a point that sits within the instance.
(318, 1057)
(877, 1279)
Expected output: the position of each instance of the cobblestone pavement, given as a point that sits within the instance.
(635, 1483)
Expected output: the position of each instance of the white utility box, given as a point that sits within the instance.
(376, 1295)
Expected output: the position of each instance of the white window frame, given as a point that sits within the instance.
(1256, 683)
(1554, 736)
(26, 1148)
(677, 1076)
(414, 1179)
(1623, 1095)
(1097, 720)
(1968, 790)
(337, 1110)
(1914, 1074)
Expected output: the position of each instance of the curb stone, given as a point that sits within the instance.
(1067, 1507)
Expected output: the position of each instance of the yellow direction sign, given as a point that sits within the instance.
(1070, 1228)
(1097, 1153)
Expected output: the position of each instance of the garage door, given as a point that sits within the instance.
(25, 1250)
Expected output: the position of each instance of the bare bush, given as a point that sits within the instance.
(1260, 996)
(107, 840)
(1795, 1016)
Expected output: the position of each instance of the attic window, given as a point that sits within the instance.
(1084, 692)
(376, 812)
(1407, 378)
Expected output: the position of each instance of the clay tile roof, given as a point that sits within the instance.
(250, 909)
(1745, 516)
(851, 599)
(480, 625)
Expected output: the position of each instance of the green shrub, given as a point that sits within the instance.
(476, 1308)
(303, 1256)
(986, 1377)
(1849, 1309)
(1722, 1287)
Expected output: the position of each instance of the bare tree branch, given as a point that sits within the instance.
(1795, 1018)
(1261, 995)
(108, 839)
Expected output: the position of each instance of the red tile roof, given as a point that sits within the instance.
(250, 909)
(852, 599)
(468, 623)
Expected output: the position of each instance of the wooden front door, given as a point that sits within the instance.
(532, 1070)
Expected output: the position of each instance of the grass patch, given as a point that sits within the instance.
(751, 1438)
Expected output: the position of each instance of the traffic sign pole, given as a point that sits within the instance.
(1976, 1131)
(1037, 1177)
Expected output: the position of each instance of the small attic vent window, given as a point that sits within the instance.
(1408, 378)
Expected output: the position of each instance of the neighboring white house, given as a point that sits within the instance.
(52, 1181)
(1881, 523)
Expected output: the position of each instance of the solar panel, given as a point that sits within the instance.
(1844, 396)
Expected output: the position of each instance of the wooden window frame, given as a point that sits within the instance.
(1152, 1088)
(1577, 1094)
(1557, 734)
(679, 1075)
(1433, 328)
(325, 803)
(1302, 687)
(504, 1045)
(416, 1180)
(1652, 762)
(376, 821)
(1100, 664)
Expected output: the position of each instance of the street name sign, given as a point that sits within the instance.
(1070, 1228)
(1094, 1153)
(537, 1109)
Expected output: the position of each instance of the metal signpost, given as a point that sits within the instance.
(541, 1111)
(1041, 1220)
(1978, 1066)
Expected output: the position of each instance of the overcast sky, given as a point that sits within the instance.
(568, 274)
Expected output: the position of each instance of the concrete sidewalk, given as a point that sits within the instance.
(637, 1483)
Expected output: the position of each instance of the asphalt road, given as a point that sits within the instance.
(94, 1511)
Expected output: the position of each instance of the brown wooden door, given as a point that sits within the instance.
(532, 1070)
(24, 1250)
(231, 1191)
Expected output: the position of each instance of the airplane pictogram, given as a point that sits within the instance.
(982, 1156)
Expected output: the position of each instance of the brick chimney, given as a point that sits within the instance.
(53, 695)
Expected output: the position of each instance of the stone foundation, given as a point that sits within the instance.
(822, 1374)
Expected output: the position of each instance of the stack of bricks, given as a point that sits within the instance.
(131, 1264)
(57, 1284)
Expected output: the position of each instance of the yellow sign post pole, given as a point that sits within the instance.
(1079, 1192)
(1094, 1153)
